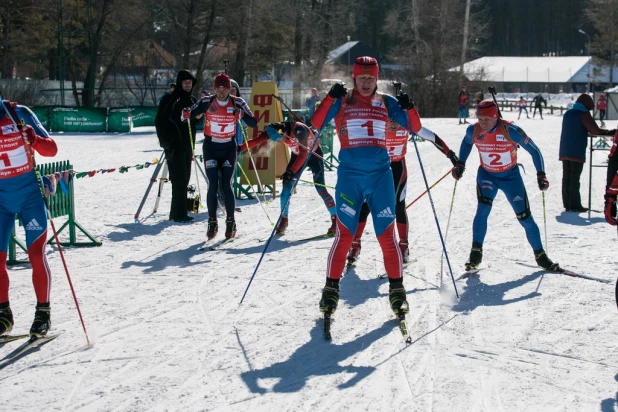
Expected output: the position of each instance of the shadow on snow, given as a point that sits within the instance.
(309, 360)
(476, 293)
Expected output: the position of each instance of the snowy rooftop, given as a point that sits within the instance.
(339, 51)
(555, 69)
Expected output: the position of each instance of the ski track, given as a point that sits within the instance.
(169, 334)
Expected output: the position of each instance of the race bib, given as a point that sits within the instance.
(395, 150)
(366, 129)
(221, 128)
(13, 158)
(496, 160)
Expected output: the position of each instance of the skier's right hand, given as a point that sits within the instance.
(458, 170)
(610, 209)
(337, 91)
(186, 113)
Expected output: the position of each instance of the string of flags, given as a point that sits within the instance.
(51, 181)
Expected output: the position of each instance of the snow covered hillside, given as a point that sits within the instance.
(169, 335)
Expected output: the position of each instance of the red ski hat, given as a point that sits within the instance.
(365, 65)
(487, 108)
(223, 80)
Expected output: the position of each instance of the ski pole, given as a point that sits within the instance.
(270, 238)
(20, 124)
(448, 224)
(431, 187)
(256, 195)
(315, 154)
(316, 184)
(433, 208)
(544, 220)
(197, 177)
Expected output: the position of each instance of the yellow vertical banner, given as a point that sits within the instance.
(270, 159)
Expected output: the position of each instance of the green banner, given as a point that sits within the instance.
(143, 116)
(118, 120)
(42, 113)
(78, 119)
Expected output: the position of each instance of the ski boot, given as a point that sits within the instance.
(332, 230)
(213, 228)
(230, 227)
(397, 297)
(476, 256)
(330, 296)
(6, 319)
(405, 253)
(355, 250)
(42, 321)
(283, 224)
(544, 261)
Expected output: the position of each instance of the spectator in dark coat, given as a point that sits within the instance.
(576, 125)
(178, 141)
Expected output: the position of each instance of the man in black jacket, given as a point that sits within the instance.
(178, 141)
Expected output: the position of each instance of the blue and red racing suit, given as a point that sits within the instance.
(364, 173)
(299, 146)
(498, 170)
(20, 194)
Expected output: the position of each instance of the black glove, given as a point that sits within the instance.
(337, 91)
(280, 127)
(458, 170)
(610, 132)
(542, 180)
(404, 101)
(610, 209)
(287, 176)
(453, 158)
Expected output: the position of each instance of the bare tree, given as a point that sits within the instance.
(603, 15)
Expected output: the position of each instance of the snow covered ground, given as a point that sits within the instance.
(169, 335)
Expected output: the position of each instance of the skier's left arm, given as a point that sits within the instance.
(520, 137)
(247, 114)
(405, 114)
(35, 133)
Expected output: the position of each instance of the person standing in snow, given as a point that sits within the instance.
(538, 102)
(462, 100)
(300, 139)
(397, 143)
(20, 194)
(611, 187)
(364, 174)
(222, 113)
(522, 107)
(497, 141)
(602, 106)
(178, 141)
(577, 123)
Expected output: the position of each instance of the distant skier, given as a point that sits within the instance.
(293, 133)
(496, 141)
(538, 103)
(462, 100)
(522, 107)
(20, 194)
(602, 107)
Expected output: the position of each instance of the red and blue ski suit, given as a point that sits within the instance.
(364, 173)
(20, 194)
(498, 170)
